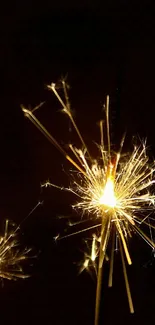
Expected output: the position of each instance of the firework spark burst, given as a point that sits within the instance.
(115, 191)
(11, 257)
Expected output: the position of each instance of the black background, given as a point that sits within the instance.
(103, 49)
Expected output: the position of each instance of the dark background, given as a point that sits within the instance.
(103, 49)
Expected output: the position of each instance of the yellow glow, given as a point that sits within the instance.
(108, 198)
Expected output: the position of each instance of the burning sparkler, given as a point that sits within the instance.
(113, 191)
(11, 256)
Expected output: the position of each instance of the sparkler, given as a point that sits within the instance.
(11, 256)
(115, 192)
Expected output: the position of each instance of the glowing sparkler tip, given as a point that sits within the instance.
(108, 198)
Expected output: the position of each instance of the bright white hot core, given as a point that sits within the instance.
(108, 198)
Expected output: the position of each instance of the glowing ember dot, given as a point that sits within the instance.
(108, 198)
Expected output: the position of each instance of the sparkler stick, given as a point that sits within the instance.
(126, 279)
(116, 192)
(111, 260)
(105, 233)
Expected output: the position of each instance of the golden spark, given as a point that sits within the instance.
(115, 191)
